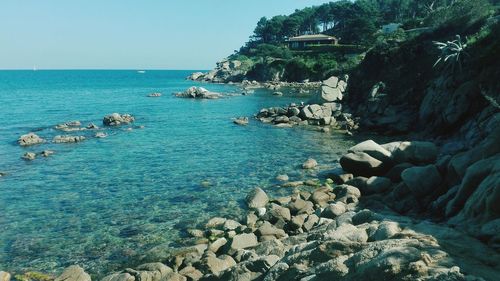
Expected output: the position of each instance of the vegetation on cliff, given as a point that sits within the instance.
(358, 26)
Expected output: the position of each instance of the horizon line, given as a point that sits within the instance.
(131, 69)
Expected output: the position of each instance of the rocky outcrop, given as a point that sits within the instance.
(117, 119)
(70, 126)
(327, 114)
(225, 71)
(332, 90)
(30, 139)
(198, 93)
(68, 139)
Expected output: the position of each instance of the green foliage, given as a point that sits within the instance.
(267, 51)
(460, 13)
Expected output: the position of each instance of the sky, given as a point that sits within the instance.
(129, 34)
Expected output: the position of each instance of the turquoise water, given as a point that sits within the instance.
(104, 203)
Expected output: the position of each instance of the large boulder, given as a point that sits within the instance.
(421, 180)
(117, 119)
(373, 149)
(257, 198)
(30, 139)
(479, 193)
(332, 90)
(361, 164)
(416, 152)
(73, 273)
(242, 241)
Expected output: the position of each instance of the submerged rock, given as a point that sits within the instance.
(47, 153)
(29, 156)
(30, 139)
(242, 121)
(117, 119)
(310, 164)
(154, 95)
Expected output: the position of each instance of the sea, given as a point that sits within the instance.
(109, 203)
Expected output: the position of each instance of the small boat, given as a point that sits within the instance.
(141, 71)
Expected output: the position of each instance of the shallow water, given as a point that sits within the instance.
(104, 203)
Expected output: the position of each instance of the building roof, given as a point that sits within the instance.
(312, 37)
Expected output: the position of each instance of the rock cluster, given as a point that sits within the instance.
(30, 139)
(327, 114)
(324, 233)
(411, 178)
(332, 90)
(318, 235)
(117, 119)
(198, 93)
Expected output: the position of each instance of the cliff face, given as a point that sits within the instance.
(398, 89)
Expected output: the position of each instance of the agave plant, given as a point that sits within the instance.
(451, 52)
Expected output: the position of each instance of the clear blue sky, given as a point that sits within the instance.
(129, 34)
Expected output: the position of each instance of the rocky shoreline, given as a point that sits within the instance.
(362, 224)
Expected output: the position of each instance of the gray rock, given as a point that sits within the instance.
(191, 273)
(30, 139)
(117, 119)
(68, 139)
(47, 153)
(257, 198)
(217, 244)
(385, 231)
(277, 212)
(376, 185)
(373, 149)
(267, 229)
(29, 156)
(416, 152)
(333, 210)
(281, 119)
(119, 277)
(198, 93)
(421, 180)
(215, 222)
(216, 265)
(242, 121)
(361, 164)
(243, 241)
(73, 273)
(282, 178)
(310, 164)
(310, 222)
